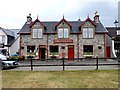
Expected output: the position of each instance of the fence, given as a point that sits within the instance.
(66, 62)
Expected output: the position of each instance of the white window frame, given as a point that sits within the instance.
(63, 33)
(40, 33)
(60, 33)
(37, 33)
(34, 33)
(87, 32)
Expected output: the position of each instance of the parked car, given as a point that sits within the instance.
(3, 57)
(5, 65)
(9, 64)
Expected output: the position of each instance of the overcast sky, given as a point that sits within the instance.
(13, 12)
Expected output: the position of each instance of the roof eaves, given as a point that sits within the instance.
(88, 19)
(64, 21)
(37, 20)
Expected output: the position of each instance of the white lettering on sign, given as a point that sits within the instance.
(63, 41)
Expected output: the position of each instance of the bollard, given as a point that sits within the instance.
(63, 64)
(97, 63)
(31, 64)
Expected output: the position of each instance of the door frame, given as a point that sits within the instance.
(41, 46)
(71, 47)
(108, 52)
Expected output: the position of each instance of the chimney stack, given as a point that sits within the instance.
(29, 19)
(96, 17)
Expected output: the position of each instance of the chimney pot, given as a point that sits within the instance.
(29, 19)
(96, 17)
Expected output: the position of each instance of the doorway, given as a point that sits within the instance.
(71, 53)
(42, 50)
(108, 52)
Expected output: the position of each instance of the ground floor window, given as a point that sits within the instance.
(3, 51)
(54, 50)
(88, 49)
(31, 50)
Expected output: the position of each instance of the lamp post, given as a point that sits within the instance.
(116, 23)
(116, 47)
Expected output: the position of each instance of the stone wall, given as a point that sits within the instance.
(98, 40)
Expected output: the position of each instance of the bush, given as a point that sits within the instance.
(13, 58)
(21, 57)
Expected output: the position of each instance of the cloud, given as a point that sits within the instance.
(14, 12)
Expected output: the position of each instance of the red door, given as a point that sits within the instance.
(108, 52)
(71, 53)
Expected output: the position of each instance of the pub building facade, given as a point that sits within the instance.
(44, 40)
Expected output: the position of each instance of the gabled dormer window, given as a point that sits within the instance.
(88, 32)
(37, 33)
(63, 28)
(63, 33)
(88, 28)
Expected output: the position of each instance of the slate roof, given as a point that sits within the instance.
(15, 32)
(50, 27)
(25, 28)
(111, 31)
(11, 35)
(100, 28)
(8, 32)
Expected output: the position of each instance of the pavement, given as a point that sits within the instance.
(69, 65)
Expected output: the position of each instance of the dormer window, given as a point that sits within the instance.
(2, 38)
(37, 33)
(88, 28)
(63, 33)
(63, 28)
(88, 32)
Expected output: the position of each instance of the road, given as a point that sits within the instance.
(84, 65)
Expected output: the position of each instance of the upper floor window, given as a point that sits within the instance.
(88, 32)
(37, 33)
(63, 33)
(2, 38)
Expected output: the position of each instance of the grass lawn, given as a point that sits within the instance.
(60, 79)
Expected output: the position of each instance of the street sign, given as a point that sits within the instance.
(1, 45)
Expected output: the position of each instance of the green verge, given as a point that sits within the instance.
(60, 79)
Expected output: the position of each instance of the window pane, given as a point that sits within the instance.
(2, 39)
(90, 32)
(85, 33)
(34, 33)
(40, 33)
(65, 32)
(30, 48)
(88, 49)
(54, 50)
(60, 33)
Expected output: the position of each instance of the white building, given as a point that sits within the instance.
(10, 39)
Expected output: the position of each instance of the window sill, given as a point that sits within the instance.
(88, 38)
(88, 55)
(37, 38)
(54, 55)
